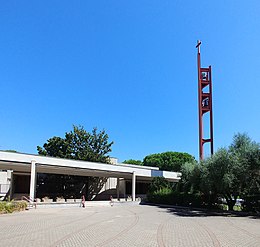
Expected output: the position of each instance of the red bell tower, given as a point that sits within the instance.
(205, 104)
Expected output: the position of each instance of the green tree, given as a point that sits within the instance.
(133, 162)
(158, 183)
(218, 178)
(232, 172)
(168, 161)
(190, 178)
(55, 147)
(246, 154)
(10, 151)
(79, 144)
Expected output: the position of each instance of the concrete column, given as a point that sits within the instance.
(124, 188)
(118, 189)
(10, 180)
(33, 180)
(133, 186)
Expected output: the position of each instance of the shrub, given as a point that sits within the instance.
(11, 206)
(163, 195)
(170, 197)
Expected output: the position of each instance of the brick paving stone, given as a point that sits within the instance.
(126, 224)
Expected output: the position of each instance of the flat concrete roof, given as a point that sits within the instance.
(20, 162)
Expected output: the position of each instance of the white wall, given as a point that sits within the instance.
(5, 182)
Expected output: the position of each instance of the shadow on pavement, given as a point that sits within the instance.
(197, 212)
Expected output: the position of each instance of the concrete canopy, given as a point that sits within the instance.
(33, 164)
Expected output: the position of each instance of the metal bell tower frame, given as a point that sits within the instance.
(205, 103)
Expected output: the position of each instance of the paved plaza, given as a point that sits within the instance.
(126, 225)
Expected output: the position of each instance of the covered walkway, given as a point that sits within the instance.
(33, 164)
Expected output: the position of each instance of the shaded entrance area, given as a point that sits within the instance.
(21, 184)
(59, 186)
(141, 187)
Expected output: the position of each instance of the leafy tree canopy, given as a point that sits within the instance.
(79, 144)
(246, 155)
(190, 178)
(233, 171)
(168, 161)
(158, 183)
(133, 162)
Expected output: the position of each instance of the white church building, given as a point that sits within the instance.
(19, 172)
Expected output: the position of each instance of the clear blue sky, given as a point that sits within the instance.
(128, 67)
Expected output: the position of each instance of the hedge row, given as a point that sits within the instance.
(167, 196)
(170, 197)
